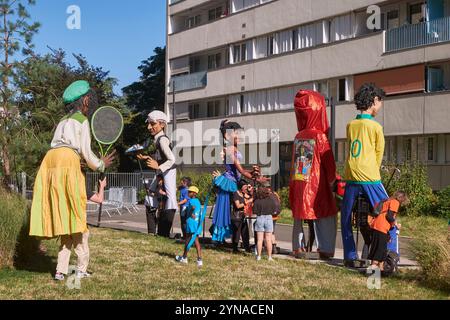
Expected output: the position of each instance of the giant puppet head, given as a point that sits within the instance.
(79, 96)
(311, 111)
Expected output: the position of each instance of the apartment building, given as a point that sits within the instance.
(245, 60)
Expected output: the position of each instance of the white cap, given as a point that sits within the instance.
(157, 116)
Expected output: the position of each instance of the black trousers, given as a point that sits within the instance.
(240, 229)
(183, 220)
(152, 220)
(165, 222)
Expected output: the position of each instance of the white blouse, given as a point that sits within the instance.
(74, 132)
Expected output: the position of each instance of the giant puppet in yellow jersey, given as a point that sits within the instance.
(366, 140)
(362, 169)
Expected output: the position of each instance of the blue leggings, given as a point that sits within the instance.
(375, 193)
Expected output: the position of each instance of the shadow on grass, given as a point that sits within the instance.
(417, 276)
(165, 254)
(29, 257)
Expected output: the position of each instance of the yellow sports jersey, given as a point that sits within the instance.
(366, 148)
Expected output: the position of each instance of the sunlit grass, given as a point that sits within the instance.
(135, 266)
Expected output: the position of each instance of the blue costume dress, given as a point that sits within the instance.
(226, 185)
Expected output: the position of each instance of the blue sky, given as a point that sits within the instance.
(116, 35)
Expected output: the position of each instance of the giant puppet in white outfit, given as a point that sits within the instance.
(163, 161)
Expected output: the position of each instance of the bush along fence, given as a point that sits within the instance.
(15, 245)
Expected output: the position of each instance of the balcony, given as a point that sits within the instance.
(171, 2)
(189, 82)
(417, 35)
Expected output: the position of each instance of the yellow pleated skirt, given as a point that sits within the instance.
(59, 196)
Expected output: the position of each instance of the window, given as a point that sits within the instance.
(435, 79)
(322, 88)
(392, 19)
(239, 53)
(430, 148)
(447, 148)
(270, 45)
(215, 14)
(408, 149)
(244, 52)
(242, 102)
(392, 146)
(416, 13)
(193, 21)
(194, 64)
(342, 90)
(295, 39)
(395, 81)
(213, 109)
(194, 111)
(214, 61)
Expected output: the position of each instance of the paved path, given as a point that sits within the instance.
(137, 222)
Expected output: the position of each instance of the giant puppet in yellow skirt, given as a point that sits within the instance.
(59, 197)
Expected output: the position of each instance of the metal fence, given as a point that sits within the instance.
(118, 180)
(18, 183)
(23, 183)
(416, 35)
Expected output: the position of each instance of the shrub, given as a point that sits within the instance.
(443, 203)
(432, 251)
(204, 182)
(414, 181)
(284, 195)
(14, 216)
(141, 196)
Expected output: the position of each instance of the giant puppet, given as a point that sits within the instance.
(59, 196)
(313, 174)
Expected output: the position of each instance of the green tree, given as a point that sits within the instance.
(148, 93)
(16, 34)
(142, 97)
(41, 81)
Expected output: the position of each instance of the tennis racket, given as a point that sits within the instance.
(106, 127)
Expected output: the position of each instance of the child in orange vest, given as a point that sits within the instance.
(381, 226)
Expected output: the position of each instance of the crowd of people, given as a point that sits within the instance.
(59, 202)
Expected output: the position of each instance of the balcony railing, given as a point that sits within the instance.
(416, 35)
(189, 82)
(171, 2)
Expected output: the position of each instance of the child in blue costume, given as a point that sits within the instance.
(227, 183)
(193, 225)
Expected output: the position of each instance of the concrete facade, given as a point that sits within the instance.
(418, 119)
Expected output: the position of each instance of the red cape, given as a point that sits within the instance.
(313, 166)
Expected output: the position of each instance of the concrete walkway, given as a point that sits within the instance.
(137, 222)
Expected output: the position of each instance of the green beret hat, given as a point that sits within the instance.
(75, 91)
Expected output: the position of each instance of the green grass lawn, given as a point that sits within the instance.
(135, 266)
(410, 225)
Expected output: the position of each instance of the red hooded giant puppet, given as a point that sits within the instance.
(314, 168)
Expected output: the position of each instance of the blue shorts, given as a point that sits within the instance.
(264, 224)
(191, 225)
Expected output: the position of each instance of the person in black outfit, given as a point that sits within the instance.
(238, 221)
(155, 207)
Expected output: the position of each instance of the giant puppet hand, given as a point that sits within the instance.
(263, 180)
(143, 157)
(109, 159)
(151, 163)
(216, 174)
